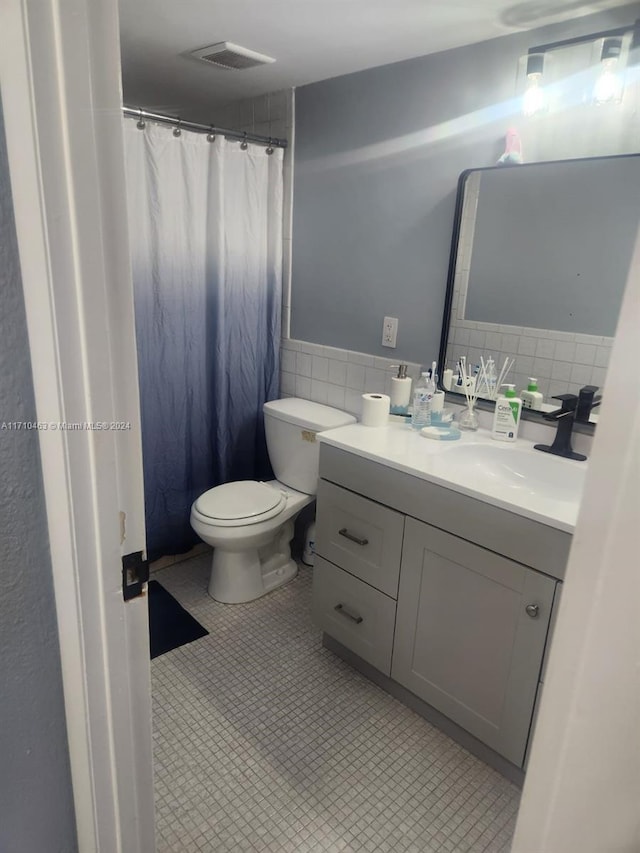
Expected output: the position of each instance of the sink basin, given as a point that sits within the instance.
(511, 476)
(514, 469)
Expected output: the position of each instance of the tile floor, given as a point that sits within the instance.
(265, 741)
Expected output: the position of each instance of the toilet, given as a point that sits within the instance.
(250, 524)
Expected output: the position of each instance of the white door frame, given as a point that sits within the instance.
(60, 83)
(59, 71)
(582, 789)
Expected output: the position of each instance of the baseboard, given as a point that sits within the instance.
(172, 559)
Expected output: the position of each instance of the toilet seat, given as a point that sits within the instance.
(240, 503)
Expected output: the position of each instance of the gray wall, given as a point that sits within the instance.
(36, 805)
(377, 159)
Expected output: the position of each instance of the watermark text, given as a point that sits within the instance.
(64, 426)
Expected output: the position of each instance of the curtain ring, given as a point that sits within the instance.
(211, 137)
(141, 124)
(270, 146)
(176, 129)
(244, 145)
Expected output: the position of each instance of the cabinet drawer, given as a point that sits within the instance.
(360, 536)
(355, 614)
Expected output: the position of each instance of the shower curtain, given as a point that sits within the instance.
(205, 223)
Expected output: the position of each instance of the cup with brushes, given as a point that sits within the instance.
(468, 419)
(479, 382)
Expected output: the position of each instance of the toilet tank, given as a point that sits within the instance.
(291, 426)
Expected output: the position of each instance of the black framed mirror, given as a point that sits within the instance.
(539, 262)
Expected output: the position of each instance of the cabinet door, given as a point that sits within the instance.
(470, 635)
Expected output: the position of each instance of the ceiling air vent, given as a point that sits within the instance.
(231, 56)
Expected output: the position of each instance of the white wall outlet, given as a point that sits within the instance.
(389, 331)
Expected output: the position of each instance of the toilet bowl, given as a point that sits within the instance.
(251, 552)
(250, 524)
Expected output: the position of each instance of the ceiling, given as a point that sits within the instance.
(311, 40)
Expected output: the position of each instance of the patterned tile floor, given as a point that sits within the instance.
(265, 741)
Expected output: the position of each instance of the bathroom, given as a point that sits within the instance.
(329, 701)
(370, 180)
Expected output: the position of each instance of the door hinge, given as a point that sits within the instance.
(135, 574)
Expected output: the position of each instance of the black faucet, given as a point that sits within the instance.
(565, 416)
(586, 402)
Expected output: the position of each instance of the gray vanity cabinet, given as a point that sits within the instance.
(471, 628)
(447, 597)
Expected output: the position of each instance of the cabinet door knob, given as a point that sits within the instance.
(344, 532)
(532, 610)
(344, 611)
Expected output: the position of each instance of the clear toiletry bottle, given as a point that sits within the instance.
(400, 391)
(506, 419)
(422, 399)
(492, 379)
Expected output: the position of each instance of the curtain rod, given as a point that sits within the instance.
(132, 112)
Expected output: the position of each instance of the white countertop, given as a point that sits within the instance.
(536, 485)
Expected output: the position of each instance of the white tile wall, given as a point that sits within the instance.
(348, 379)
(337, 377)
(562, 362)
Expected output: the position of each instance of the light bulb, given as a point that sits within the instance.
(608, 87)
(534, 100)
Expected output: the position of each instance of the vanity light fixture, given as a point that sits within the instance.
(620, 47)
(609, 86)
(534, 100)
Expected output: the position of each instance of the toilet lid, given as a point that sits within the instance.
(243, 499)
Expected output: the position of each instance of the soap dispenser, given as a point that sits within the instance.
(506, 419)
(532, 398)
(400, 391)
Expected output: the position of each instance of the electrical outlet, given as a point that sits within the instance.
(389, 331)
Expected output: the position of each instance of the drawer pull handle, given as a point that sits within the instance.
(353, 616)
(532, 610)
(344, 532)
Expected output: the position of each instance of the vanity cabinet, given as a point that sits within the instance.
(470, 635)
(409, 579)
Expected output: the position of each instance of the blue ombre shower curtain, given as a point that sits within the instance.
(206, 244)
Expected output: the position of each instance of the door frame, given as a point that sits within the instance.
(60, 79)
(585, 757)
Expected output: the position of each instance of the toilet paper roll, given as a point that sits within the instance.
(375, 410)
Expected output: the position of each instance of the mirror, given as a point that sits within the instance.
(539, 263)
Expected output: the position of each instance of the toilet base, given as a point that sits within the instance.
(241, 576)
